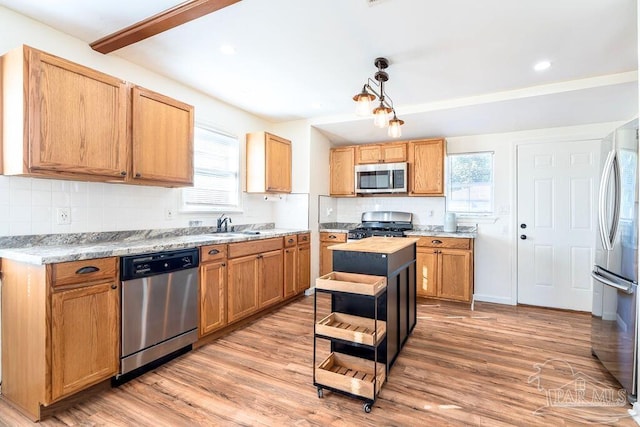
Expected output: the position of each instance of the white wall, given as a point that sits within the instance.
(27, 206)
(496, 245)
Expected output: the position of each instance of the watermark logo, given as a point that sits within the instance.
(573, 394)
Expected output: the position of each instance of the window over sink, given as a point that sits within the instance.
(216, 174)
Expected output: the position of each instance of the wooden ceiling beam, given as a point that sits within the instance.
(156, 24)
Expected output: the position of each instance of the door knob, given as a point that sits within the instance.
(523, 225)
(523, 237)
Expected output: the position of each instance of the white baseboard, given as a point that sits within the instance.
(492, 299)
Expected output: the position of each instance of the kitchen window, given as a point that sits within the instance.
(216, 177)
(470, 183)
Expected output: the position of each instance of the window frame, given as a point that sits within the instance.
(489, 213)
(184, 207)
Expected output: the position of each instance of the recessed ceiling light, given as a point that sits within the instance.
(542, 65)
(227, 49)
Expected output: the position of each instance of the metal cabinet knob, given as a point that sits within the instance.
(523, 237)
(523, 225)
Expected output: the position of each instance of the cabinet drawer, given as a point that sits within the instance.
(290, 241)
(333, 237)
(68, 273)
(213, 252)
(254, 247)
(304, 239)
(444, 242)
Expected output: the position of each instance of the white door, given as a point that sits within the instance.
(557, 196)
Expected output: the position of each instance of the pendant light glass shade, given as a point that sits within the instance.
(381, 116)
(363, 102)
(394, 127)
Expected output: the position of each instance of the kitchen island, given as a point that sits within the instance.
(395, 259)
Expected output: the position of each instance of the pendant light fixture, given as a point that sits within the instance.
(382, 113)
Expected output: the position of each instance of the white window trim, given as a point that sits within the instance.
(479, 217)
(213, 208)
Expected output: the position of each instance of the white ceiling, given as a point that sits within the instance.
(458, 67)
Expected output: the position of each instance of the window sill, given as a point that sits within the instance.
(477, 219)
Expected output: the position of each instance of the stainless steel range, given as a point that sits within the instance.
(382, 223)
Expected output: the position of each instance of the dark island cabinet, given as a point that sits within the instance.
(397, 306)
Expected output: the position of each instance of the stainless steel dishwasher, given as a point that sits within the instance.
(159, 306)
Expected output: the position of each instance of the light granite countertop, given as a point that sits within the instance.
(463, 231)
(50, 249)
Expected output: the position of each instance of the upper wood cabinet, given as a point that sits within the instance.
(426, 167)
(268, 163)
(64, 120)
(162, 139)
(342, 178)
(381, 153)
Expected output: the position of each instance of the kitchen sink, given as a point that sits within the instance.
(232, 234)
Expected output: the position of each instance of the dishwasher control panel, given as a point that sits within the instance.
(144, 265)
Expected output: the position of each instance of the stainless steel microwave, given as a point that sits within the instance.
(381, 178)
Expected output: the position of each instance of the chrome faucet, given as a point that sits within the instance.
(223, 222)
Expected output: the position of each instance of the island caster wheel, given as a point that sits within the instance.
(320, 393)
(367, 407)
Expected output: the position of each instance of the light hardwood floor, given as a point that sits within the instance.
(459, 367)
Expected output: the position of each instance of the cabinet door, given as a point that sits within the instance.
(271, 278)
(162, 138)
(242, 289)
(426, 167)
(368, 154)
(304, 268)
(278, 167)
(326, 255)
(342, 179)
(290, 271)
(454, 271)
(77, 119)
(394, 153)
(426, 272)
(84, 337)
(213, 297)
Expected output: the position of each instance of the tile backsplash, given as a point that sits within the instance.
(29, 205)
(425, 210)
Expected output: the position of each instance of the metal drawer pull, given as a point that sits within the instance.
(436, 242)
(214, 252)
(87, 270)
(333, 237)
(290, 241)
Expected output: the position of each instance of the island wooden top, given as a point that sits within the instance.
(381, 245)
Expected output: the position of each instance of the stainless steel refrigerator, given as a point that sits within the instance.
(614, 332)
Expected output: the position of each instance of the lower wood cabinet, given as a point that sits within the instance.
(326, 257)
(60, 329)
(255, 276)
(444, 268)
(297, 265)
(84, 337)
(213, 288)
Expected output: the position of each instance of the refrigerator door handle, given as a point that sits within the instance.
(607, 235)
(625, 286)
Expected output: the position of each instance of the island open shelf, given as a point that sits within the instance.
(356, 329)
(351, 375)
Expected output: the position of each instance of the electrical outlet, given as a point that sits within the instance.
(63, 216)
(169, 214)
